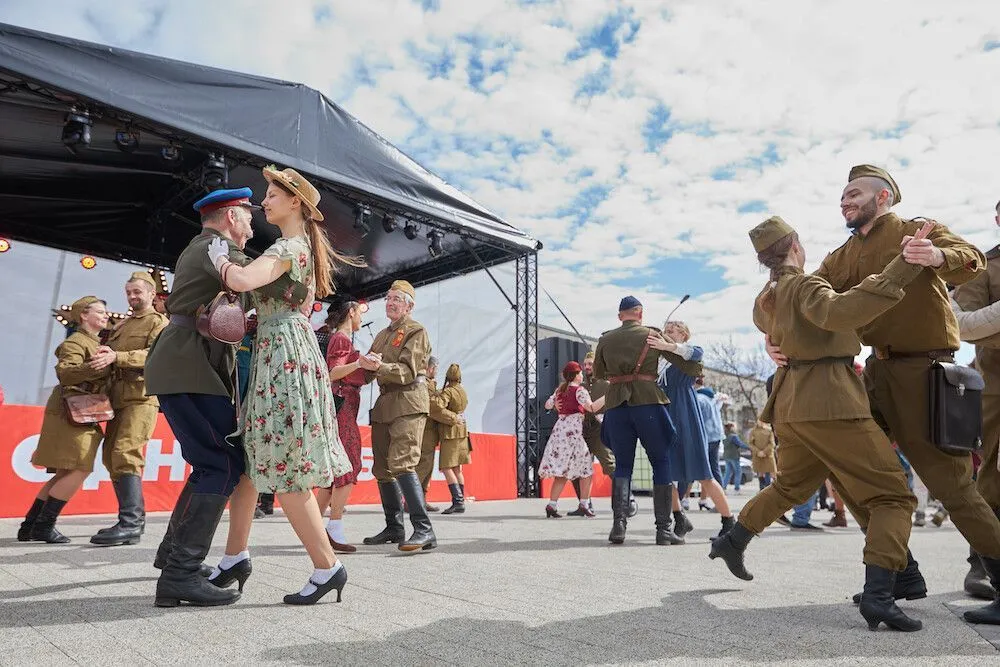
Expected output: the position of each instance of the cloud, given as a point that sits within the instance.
(637, 140)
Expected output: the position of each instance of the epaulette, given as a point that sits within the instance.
(993, 253)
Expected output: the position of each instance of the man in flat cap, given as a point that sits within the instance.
(126, 435)
(906, 341)
(193, 377)
(397, 360)
(635, 408)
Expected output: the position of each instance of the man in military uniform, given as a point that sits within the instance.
(635, 409)
(976, 295)
(126, 435)
(397, 360)
(193, 378)
(592, 428)
(429, 444)
(906, 340)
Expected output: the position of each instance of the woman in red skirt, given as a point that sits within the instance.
(347, 378)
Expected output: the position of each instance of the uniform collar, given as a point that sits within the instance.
(405, 319)
(884, 221)
(782, 271)
(631, 323)
(143, 313)
(86, 333)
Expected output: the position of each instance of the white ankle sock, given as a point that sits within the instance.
(320, 577)
(227, 562)
(335, 529)
(554, 504)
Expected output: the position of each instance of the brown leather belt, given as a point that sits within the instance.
(634, 377)
(888, 353)
(793, 363)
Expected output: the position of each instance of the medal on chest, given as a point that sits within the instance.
(398, 338)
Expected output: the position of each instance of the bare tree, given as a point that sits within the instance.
(746, 370)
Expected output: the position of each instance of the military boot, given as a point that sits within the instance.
(131, 514)
(730, 548)
(423, 537)
(877, 603)
(621, 491)
(392, 506)
(662, 499)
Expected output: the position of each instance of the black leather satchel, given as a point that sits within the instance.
(956, 408)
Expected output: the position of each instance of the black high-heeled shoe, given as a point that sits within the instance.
(239, 572)
(552, 513)
(336, 582)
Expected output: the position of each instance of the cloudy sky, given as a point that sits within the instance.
(639, 141)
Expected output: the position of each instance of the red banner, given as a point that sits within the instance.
(490, 476)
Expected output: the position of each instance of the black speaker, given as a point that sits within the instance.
(553, 354)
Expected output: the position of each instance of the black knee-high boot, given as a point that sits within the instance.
(24, 532)
(44, 529)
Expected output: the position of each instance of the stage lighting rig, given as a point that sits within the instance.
(389, 223)
(127, 139)
(76, 130)
(410, 231)
(435, 237)
(214, 173)
(362, 218)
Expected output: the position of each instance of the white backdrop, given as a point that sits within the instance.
(469, 321)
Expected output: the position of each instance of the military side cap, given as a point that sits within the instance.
(403, 286)
(863, 170)
(213, 201)
(589, 356)
(769, 232)
(144, 277)
(80, 305)
(628, 303)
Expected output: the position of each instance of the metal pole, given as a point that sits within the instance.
(52, 322)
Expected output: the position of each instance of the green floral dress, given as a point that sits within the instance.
(290, 425)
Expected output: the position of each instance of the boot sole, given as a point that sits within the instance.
(176, 602)
(417, 547)
(117, 543)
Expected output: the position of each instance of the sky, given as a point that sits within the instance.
(639, 141)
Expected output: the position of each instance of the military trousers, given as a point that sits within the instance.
(125, 439)
(626, 425)
(200, 423)
(988, 477)
(592, 436)
(396, 446)
(425, 466)
(898, 393)
(859, 455)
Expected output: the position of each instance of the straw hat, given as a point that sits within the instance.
(294, 181)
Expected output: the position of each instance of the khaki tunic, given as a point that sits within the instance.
(61, 444)
(761, 443)
(400, 412)
(429, 443)
(980, 292)
(135, 413)
(819, 410)
(898, 387)
(182, 361)
(445, 409)
(618, 351)
(592, 427)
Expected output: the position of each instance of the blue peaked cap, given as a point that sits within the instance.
(628, 303)
(220, 198)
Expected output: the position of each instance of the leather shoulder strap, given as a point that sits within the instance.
(642, 358)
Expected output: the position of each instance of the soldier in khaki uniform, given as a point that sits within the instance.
(397, 360)
(820, 415)
(126, 435)
(592, 429)
(64, 448)
(896, 376)
(447, 408)
(973, 299)
(429, 443)
(635, 409)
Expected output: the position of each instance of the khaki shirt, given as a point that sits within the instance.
(445, 409)
(923, 320)
(810, 322)
(596, 389)
(131, 340)
(404, 346)
(182, 361)
(618, 352)
(982, 291)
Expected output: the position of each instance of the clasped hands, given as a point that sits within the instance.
(103, 357)
(370, 362)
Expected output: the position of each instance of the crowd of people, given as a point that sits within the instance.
(281, 416)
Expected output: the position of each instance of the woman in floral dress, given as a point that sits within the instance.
(347, 377)
(289, 427)
(566, 455)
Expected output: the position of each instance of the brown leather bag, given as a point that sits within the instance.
(87, 409)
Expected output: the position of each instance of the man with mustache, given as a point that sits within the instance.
(906, 341)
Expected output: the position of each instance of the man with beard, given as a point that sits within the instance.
(906, 340)
(972, 297)
(126, 435)
(592, 428)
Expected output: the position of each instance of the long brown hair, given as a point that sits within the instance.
(326, 260)
(568, 376)
(773, 257)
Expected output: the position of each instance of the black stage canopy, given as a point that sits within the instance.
(161, 130)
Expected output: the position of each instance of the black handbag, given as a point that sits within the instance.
(956, 408)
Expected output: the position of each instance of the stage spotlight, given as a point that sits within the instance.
(170, 153)
(76, 131)
(410, 231)
(127, 139)
(4, 245)
(214, 173)
(388, 223)
(362, 218)
(88, 262)
(434, 236)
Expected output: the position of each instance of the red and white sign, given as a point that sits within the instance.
(490, 476)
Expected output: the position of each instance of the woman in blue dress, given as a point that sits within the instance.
(689, 456)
